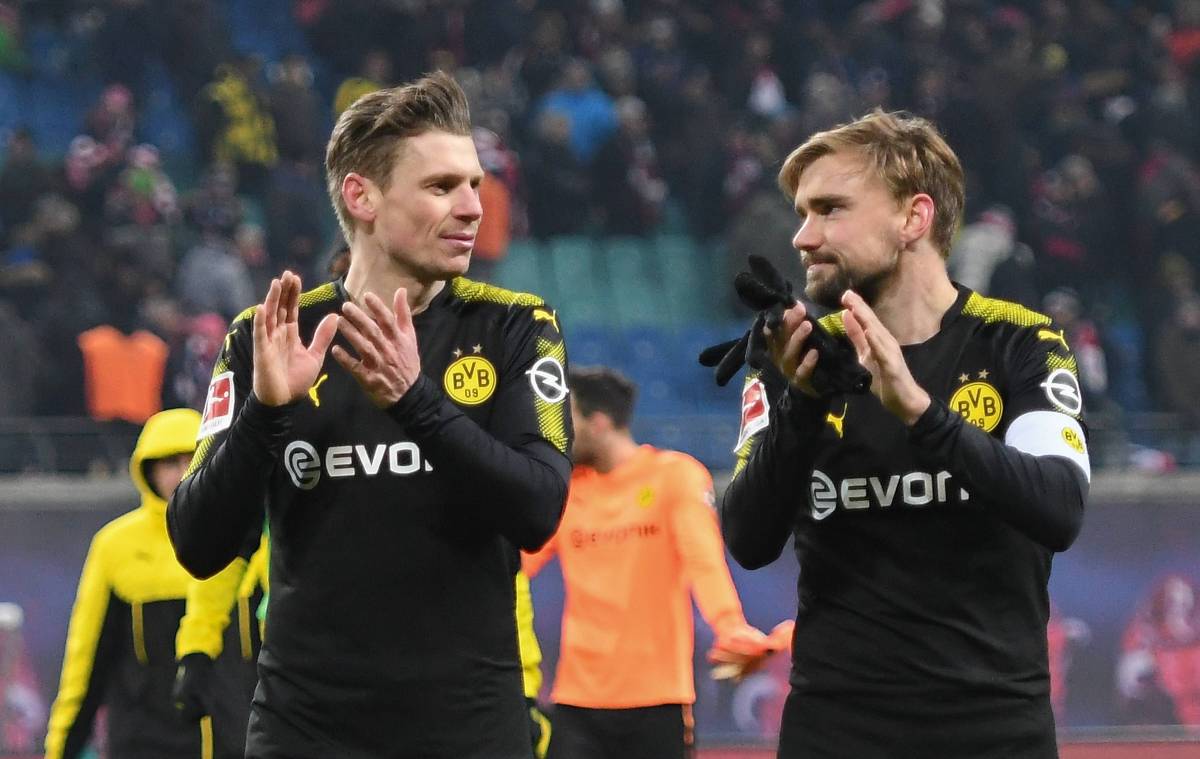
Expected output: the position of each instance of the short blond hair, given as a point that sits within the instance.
(367, 135)
(907, 153)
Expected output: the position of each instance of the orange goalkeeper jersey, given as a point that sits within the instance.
(635, 545)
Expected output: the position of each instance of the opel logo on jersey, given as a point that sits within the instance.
(470, 380)
(302, 464)
(305, 465)
(914, 489)
(548, 380)
(979, 403)
(1062, 389)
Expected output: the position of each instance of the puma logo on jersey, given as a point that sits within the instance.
(544, 315)
(838, 422)
(312, 391)
(1058, 337)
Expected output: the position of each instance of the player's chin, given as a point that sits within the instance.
(825, 291)
(457, 265)
(454, 263)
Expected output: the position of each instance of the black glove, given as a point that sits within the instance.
(766, 291)
(539, 729)
(193, 687)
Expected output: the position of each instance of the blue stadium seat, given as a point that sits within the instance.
(589, 345)
(164, 121)
(708, 437)
(56, 115)
(650, 355)
(11, 97)
(265, 27)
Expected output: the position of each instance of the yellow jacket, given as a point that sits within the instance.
(120, 649)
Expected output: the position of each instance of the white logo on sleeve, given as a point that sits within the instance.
(548, 380)
(218, 406)
(1062, 389)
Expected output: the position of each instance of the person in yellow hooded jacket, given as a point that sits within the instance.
(120, 650)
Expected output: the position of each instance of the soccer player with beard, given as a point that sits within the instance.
(925, 513)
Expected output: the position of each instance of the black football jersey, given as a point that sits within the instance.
(924, 553)
(394, 532)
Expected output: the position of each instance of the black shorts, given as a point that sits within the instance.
(647, 732)
(877, 727)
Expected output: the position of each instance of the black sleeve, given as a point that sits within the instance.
(758, 509)
(1042, 496)
(518, 468)
(220, 500)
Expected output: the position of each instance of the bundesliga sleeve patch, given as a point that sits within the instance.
(756, 410)
(218, 406)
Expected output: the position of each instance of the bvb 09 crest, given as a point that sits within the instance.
(470, 380)
(979, 403)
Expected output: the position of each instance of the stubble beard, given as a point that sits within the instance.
(869, 285)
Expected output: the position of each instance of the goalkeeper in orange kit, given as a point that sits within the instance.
(639, 538)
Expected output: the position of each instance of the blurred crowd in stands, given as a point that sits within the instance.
(1078, 122)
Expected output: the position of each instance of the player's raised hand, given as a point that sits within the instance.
(795, 360)
(385, 340)
(284, 368)
(879, 351)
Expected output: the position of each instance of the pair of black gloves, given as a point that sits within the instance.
(766, 291)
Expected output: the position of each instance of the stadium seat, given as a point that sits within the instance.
(686, 283)
(589, 345)
(520, 269)
(581, 290)
(267, 28)
(637, 282)
(651, 357)
(164, 120)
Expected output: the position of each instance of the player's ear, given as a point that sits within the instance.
(918, 218)
(360, 196)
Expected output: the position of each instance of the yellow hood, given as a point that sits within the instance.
(167, 433)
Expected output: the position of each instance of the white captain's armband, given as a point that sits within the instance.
(1050, 433)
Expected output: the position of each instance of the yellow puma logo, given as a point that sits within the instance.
(312, 391)
(542, 315)
(837, 422)
(1049, 334)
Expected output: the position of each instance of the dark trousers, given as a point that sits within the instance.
(835, 727)
(648, 732)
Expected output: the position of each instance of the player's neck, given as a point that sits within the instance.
(913, 304)
(376, 274)
(618, 451)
